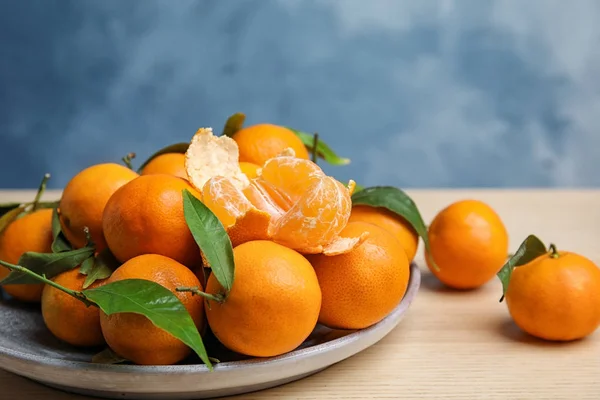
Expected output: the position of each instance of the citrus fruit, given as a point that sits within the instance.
(32, 232)
(273, 304)
(135, 337)
(168, 163)
(469, 244)
(258, 143)
(555, 296)
(145, 216)
(291, 202)
(249, 169)
(391, 222)
(68, 318)
(83, 200)
(363, 286)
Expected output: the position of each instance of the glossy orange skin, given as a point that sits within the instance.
(146, 216)
(84, 198)
(68, 318)
(362, 287)
(169, 163)
(133, 336)
(469, 243)
(391, 222)
(273, 305)
(556, 299)
(258, 143)
(33, 232)
(249, 169)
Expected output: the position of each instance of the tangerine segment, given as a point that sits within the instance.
(305, 212)
(208, 156)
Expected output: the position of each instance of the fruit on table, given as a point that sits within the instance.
(469, 244)
(273, 305)
(168, 163)
(556, 296)
(84, 198)
(32, 232)
(261, 142)
(363, 286)
(291, 202)
(133, 336)
(145, 216)
(391, 222)
(68, 318)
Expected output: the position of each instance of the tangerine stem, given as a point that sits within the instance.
(78, 295)
(219, 298)
(127, 160)
(40, 191)
(314, 148)
(553, 251)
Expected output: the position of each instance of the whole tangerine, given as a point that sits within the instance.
(135, 337)
(168, 163)
(273, 304)
(145, 216)
(84, 198)
(258, 143)
(363, 286)
(32, 232)
(469, 244)
(556, 296)
(66, 317)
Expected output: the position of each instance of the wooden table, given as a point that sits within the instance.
(453, 345)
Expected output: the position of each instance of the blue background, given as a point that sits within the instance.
(417, 93)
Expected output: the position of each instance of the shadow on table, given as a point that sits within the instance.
(508, 329)
(433, 284)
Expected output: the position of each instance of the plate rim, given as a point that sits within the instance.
(413, 286)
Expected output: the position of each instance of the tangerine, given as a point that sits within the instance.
(249, 169)
(291, 202)
(168, 163)
(84, 198)
(32, 232)
(363, 286)
(555, 296)
(145, 216)
(258, 143)
(273, 304)
(135, 337)
(68, 318)
(391, 222)
(469, 244)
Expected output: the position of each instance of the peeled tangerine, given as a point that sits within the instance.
(291, 201)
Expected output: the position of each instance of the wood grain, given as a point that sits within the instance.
(453, 345)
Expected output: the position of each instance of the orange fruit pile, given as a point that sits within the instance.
(305, 251)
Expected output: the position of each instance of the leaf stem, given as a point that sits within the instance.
(553, 251)
(40, 191)
(219, 298)
(127, 160)
(78, 295)
(315, 154)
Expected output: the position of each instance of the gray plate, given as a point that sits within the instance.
(29, 350)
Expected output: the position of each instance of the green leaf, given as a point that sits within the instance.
(396, 201)
(173, 148)
(87, 265)
(108, 356)
(59, 241)
(323, 150)
(9, 217)
(104, 265)
(211, 237)
(233, 124)
(6, 207)
(47, 264)
(153, 301)
(531, 248)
